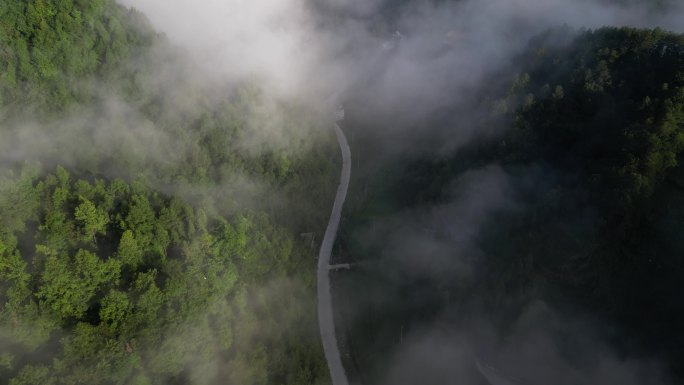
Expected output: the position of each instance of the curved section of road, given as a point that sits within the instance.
(326, 322)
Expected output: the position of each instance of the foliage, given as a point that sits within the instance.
(620, 93)
(122, 290)
(50, 46)
(592, 157)
(600, 126)
(105, 280)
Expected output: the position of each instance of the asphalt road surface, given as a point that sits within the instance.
(326, 322)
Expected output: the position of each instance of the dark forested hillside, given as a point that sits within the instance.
(601, 127)
(608, 107)
(150, 221)
(589, 171)
(601, 116)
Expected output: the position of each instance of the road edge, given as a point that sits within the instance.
(326, 321)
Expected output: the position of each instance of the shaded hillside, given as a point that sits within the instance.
(578, 205)
(599, 134)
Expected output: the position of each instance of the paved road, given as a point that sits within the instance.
(326, 322)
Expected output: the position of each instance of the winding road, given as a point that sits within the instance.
(326, 321)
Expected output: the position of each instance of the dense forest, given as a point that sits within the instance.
(604, 115)
(590, 158)
(150, 219)
(159, 225)
(602, 120)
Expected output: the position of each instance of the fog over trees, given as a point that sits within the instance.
(167, 169)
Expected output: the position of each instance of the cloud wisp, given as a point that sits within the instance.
(403, 64)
